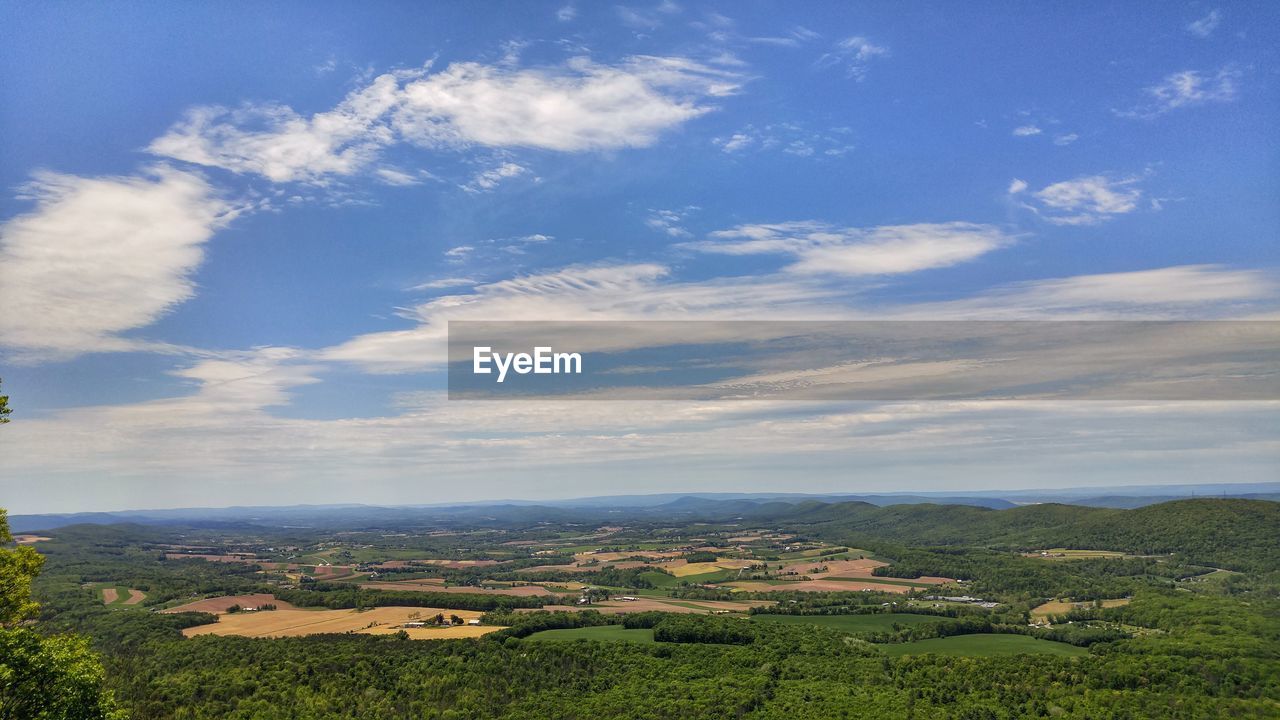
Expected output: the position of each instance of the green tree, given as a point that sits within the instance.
(4, 408)
(42, 677)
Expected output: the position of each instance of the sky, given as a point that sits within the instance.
(232, 235)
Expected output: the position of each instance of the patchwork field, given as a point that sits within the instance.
(833, 585)
(817, 574)
(983, 645)
(295, 622)
(119, 595)
(643, 604)
(687, 569)
(616, 633)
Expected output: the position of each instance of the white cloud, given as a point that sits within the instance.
(568, 446)
(99, 256)
(1086, 200)
(1026, 131)
(1016, 186)
(820, 249)
(580, 106)
(222, 433)
(1065, 139)
(459, 252)
(735, 142)
(566, 13)
(855, 54)
(487, 180)
(1187, 88)
(279, 144)
(1205, 26)
(399, 178)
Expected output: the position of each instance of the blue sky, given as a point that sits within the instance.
(232, 233)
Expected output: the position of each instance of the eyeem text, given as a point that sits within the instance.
(543, 361)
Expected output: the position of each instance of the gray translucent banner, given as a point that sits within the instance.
(866, 360)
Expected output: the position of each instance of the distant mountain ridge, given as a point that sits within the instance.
(640, 506)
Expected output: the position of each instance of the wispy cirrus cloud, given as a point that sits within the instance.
(100, 256)
(636, 291)
(1205, 26)
(855, 55)
(790, 138)
(1188, 88)
(277, 143)
(1183, 291)
(821, 249)
(671, 222)
(487, 180)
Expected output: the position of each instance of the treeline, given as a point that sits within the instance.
(1083, 636)
(607, 575)
(840, 603)
(337, 596)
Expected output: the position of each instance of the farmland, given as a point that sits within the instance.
(295, 622)
(1061, 607)
(119, 596)
(1069, 554)
(674, 605)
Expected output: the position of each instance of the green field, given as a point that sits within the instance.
(851, 623)
(660, 579)
(600, 632)
(715, 576)
(983, 645)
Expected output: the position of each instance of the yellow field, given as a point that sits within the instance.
(296, 622)
(1069, 554)
(1058, 607)
(706, 567)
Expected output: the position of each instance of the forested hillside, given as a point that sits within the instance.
(1233, 534)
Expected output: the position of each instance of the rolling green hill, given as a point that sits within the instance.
(1229, 533)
